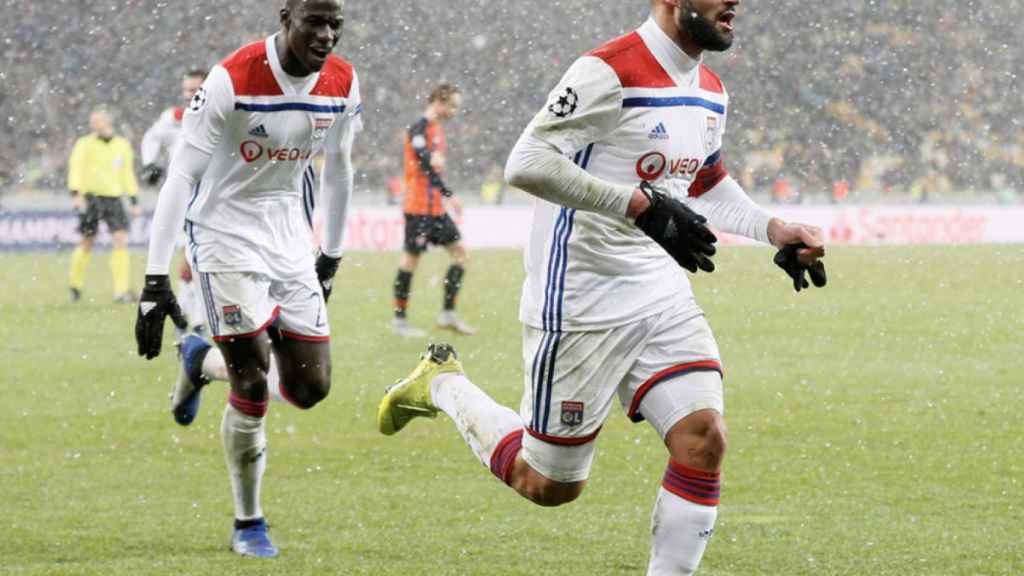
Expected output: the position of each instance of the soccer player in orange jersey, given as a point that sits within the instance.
(426, 205)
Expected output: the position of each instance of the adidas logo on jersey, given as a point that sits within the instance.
(659, 132)
(259, 132)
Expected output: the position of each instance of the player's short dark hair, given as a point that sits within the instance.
(196, 73)
(443, 92)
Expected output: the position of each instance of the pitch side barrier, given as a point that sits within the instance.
(379, 228)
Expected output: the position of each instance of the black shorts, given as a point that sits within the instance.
(109, 209)
(422, 231)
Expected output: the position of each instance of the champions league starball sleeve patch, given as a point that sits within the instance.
(564, 103)
(198, 101)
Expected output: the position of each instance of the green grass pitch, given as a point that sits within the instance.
(875, 428)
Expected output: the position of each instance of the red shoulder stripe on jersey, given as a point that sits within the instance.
(250, 71)
(335, 78)
(633, 63)
(707, 178)
(710, 81)
(179, 113)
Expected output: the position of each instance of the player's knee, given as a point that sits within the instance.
(549, 493)
(314, 388)
(715, 442)
(699, 440)
(316, 391)
(250, 384)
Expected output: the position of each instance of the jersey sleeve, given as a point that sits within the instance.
(350, 123)
(76, 165)
(583, 108)
(337, 180)
(128, 182)
(419, 140)
(153, 141)
(207, 114)
(354, 113)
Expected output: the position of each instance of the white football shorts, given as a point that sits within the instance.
(244, 304)
(662, 368)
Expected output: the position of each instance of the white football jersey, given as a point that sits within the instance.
(637, 108)
(162, 137)
(252, 211)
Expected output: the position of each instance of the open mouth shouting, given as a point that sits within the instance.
(726, 18)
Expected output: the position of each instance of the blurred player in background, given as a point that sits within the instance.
(426, 207)
(158, 144)
(608, 311)
(241, 183)
(100, 173)
(161, 138)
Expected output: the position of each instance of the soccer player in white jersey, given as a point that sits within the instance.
(161, 138)
(241, 184)
(607, 312)
(158, 143)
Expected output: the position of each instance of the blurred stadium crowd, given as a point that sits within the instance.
(829, 100)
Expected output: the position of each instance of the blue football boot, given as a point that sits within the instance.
(253, 541)
(185, 397)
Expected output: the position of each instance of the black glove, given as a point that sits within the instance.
(786, 258)
(157, 302)
(326, 268)
(677, 229)
(151, 174)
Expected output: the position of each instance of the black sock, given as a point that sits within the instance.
(243, 524)
(452, 283)
(403, 284)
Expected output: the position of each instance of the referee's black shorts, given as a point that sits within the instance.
(109, 209)
(422, 231)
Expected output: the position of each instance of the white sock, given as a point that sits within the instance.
(680, 531)
(215, 368)
(482, 422)
(245, 450)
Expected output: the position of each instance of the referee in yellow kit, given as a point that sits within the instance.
(100, 172)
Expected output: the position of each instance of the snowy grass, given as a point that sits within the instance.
(875, 429)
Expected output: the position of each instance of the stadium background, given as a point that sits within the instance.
(873, 424)
(899, 100)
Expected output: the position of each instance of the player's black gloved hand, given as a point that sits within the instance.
(786, 258)
(151, 174)
(326, 268)
(156, 303)
(680, 231)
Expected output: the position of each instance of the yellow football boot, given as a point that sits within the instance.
(410, 397)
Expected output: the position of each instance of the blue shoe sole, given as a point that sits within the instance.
(191, 345)
(186, 413)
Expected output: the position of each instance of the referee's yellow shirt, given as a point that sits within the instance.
(102, 168)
